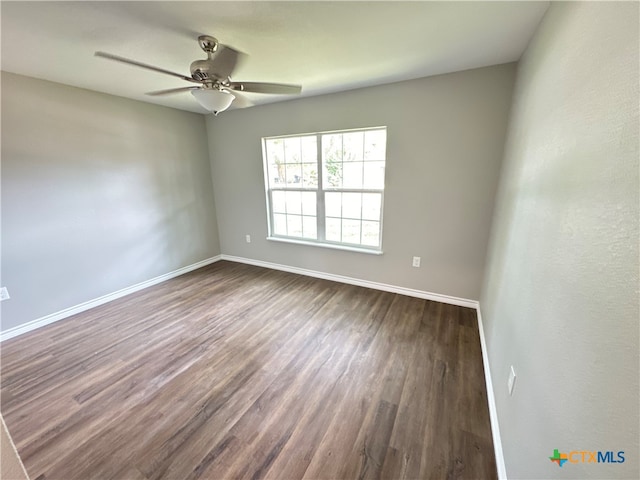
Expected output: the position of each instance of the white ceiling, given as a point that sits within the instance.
(324, 46)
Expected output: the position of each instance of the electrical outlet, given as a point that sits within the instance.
(4, 294)
(512, 380)
(416, 262)
(248, 238)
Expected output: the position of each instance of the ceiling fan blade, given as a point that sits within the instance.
(260, 87)
(117, 58)
(170, 91)
(225, 60)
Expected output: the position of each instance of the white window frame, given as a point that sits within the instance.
(320, 191)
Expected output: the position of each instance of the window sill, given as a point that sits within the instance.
(326, 245)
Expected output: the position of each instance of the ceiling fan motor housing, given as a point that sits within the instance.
(202, 70)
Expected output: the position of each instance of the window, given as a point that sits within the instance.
(327, 188)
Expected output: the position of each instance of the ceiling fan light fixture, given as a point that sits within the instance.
(214, 100)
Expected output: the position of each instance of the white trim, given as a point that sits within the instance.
(67, 312)
(491, 400)
(335, 246)
(437, 297)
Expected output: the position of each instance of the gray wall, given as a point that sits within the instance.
(560, 299)
(445, 141)
(98, 193)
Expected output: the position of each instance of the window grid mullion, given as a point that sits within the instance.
(355, 190)
(362, 185)
(320, 206)
(342, 186)
(271, 214)
(361, 199)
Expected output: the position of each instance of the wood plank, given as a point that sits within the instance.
(235, 371)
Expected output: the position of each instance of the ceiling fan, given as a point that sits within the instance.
(213, 75)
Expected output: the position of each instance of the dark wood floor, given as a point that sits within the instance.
(234, 371)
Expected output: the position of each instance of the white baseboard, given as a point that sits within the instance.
(437, 297)
(67, 312)
(54, 317)
(463, 302)
(491, 399)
